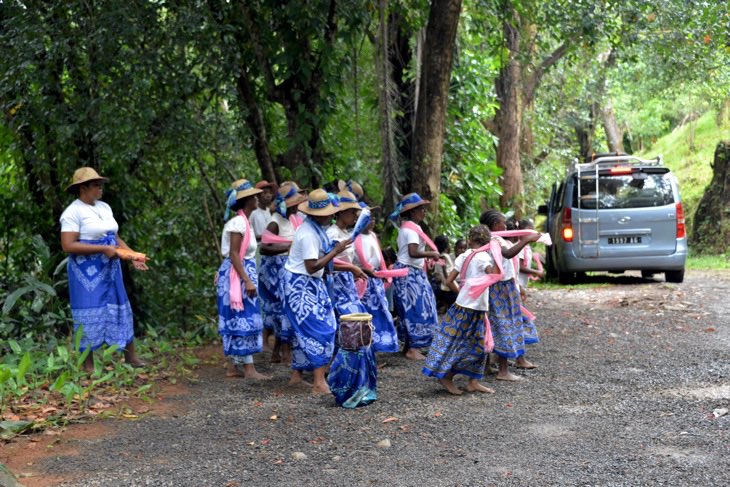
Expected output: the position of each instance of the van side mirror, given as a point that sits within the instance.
(542, 210)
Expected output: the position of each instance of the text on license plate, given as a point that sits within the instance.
(624, 240)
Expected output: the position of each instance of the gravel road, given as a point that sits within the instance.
(629, 376)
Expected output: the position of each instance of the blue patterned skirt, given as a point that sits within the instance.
(505, 318)
(529, 331)
(99, 301)
(385, 338)
(458, 345)
(240, 330)
(353, 377)
(309, 309)
(271, 291)
(415, 306)
(345, 298)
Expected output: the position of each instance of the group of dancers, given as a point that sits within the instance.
(312, 272)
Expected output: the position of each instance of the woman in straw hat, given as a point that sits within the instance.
(99, 303)
(415, 303)
(276, 242)
(354, 373)
(307, 302)
(239, 317)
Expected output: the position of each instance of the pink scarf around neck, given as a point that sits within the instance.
(409, 225)
(381, 273)
(235, 294)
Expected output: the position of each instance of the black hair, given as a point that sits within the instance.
(491, 218)
(442, 243)
(240, 204)
(512, 224)
(480, 234)
(460, 241)
(526, 223)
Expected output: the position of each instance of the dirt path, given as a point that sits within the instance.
(630, 374)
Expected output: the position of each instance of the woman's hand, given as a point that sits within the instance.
(342, 246)
(369, 272)
(250, 289)
(110, 251)
(141, 266)
(358, 273)
(433, 255)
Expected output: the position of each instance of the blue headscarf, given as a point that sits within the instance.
(281, 201)
(411, 199)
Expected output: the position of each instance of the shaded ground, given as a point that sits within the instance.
(629, 377)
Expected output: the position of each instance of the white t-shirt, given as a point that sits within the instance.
(508, 267)
(476, 269)
(259, 220)
(406, 237)
(286, 229)
(306, 246)
(91, 222)
(370, 250)
(523, 277)
(237, 225)
(335, 233)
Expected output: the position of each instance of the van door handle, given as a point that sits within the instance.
(625, 219)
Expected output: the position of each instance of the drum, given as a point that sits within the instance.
(356, 331)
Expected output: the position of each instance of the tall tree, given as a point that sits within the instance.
(433, 96)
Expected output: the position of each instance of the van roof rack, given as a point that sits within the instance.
(609, 160)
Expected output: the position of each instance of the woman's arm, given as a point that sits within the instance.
(272, 248)
(71, 245)
(451, 281)
(422, 254)
(357, 273)
(236, 240)
(315, 265)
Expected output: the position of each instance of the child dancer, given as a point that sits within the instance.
(458, 345)
(370, 258)
(239, 318)
(415, 303)
(525, 259)
(276, 242)
(307, 303)
(505, 315)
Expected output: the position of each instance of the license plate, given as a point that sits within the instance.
(624, 240)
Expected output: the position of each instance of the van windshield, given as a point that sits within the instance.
(635, 190)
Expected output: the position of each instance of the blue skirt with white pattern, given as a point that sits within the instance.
(385, 338)
(415, 306)
(309, 309)
(99, 302)
(271, 291)
(240, 330)
(353, 377)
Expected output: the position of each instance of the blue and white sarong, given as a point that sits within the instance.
(99, 301)
(458, 345)
(344, 297)
(505, 319)
(353, 377)
(309, 309)
(271, 291)
(415, 306)
(385, 338)
(240, 330)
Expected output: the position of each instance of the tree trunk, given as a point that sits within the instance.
(255, 122)
(711, 228)
(433, 97)
(614, 136)
(508, 122)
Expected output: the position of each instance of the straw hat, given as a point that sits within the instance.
(409, 202)
(244, 189)
(319, 203)
(348, 200)
(84, 175)
(263, 184)
(351, 186)
(289, 194)
(292, 183)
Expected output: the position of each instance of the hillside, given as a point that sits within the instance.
(691, 166)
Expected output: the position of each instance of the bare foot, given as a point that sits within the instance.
(414, 354)
(450, 386)
(297, 381)
(320, 389)
(234, 371)
(508, 376)
(523, 363)
(475, 386)
(255, 375)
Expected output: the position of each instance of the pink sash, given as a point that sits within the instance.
(235, 295)
(383, 273)
(270, 237)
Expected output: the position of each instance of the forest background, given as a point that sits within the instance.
(472, 103)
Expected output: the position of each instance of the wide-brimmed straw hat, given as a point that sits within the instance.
(409, 202)
(348, 200)
(84, 175)
(320, 203)
(352, 187)
(289, 195)
(293, 183)
(244, 189)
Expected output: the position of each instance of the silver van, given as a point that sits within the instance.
(616, 213)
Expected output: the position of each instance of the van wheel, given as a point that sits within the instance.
(674, 276)
(566, 277)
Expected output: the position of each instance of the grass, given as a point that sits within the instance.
(708, 262)
(691, 165)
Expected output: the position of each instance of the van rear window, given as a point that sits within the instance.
(637, 190)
